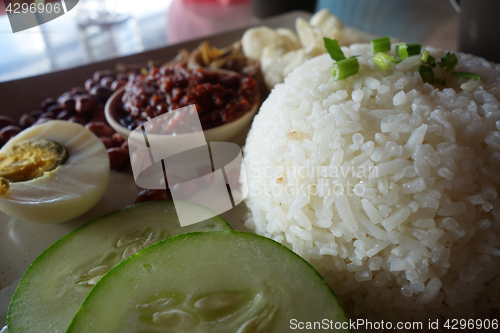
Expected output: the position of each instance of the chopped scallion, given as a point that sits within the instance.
(428, 59)
(401, 50)
(425, 55)
(382, 60)
(345, 68)
(466, 75)
(381, 45)
(427, 74)
(448, 62)
(333, 48)
(431, 61)
(405, 51)
(414, 49)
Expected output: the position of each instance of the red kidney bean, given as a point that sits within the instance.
(107, 81)
(85, 104)
(26, 120)
(96, 120)
(162, 182)
(100, 129)
(89, 84)
(202, 171)
(55, 109)
(78, 119)
(107, 142)
(61, 98)
(78, 91)
(48, 114)
(9, 131)
(6, 121)
(118, 140)
(118, 84)
(172, 180)
(63, 115)
(187, 190)
(99, 111)
(47, 102)
(36, 113)
(152, 195)
(98, 114)
(101, 93)
(118, 158)
(68, 104)
(99, 75)
(124, 146)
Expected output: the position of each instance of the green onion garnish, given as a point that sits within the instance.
(466, 75)
(431, 61)
(449, 61)
(401, 50)
(345, 68)
(428, 59)
(342, 68)
(427, 74)
(425, 55)
(382, 60)
(414, 49)
(333, 48)
(381, 45)
(405, 51)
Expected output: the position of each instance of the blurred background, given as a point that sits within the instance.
(97, 30)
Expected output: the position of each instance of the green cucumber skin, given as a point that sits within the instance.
(20, 300)
(81, 324)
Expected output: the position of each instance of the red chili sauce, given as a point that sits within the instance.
(219, 97)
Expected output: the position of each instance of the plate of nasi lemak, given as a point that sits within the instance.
(365, 195)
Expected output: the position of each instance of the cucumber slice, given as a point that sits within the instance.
(209, 282)
(56, 284)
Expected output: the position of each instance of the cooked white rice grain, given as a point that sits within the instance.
(387, 185)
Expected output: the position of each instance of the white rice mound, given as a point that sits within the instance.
(414, 231)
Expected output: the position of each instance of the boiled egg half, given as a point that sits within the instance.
(52, 172)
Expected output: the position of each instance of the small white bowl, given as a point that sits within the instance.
(221, 133)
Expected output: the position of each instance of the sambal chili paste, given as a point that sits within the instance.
(220, 97)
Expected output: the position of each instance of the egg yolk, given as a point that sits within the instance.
(29, 159)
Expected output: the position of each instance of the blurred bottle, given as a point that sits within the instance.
(266, 8)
